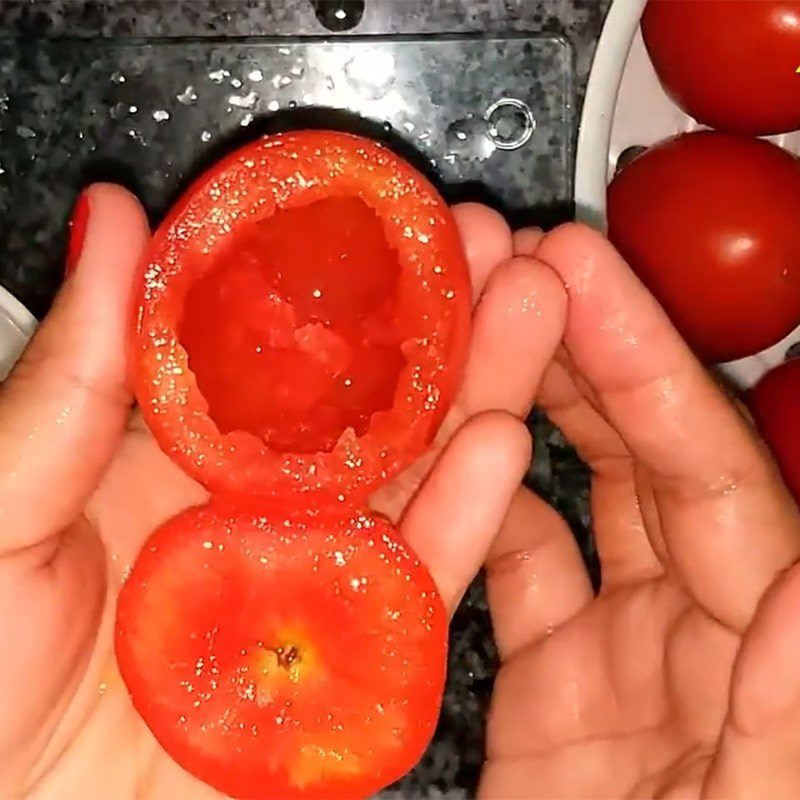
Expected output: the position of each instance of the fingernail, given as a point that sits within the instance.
(77, 232)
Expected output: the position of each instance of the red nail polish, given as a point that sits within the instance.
(77, 232)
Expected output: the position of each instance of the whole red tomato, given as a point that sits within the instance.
(731, 64)
(302, 318)
(775, 405)
(709, 222)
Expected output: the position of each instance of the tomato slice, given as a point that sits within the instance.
(297, 654)
(302, 318)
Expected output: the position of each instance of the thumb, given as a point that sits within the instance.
(64, 406)
(759, 755)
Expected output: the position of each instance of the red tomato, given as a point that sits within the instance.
(730, 65)
(303, 318)
(709, 222)
(298, 655)
(775, 405)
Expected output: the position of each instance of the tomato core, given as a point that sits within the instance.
(292, 332)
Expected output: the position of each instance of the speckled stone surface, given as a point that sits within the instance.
(66, 116)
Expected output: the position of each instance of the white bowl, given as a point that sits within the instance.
(625, 106)
(17, 325)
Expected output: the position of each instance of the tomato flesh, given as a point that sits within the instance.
(730, 65)
(775, 405)
(317, 348)
(297, 654)
(302, 319)
(709, 223)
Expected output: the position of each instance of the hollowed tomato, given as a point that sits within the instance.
(302, 318)
(294, 655)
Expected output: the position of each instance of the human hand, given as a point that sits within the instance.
(82, 483)
(681, 678)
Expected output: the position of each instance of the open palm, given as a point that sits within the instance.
(681, 678)
(82, 484)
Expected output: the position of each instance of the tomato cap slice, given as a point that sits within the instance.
(293, 655)
(302, 318)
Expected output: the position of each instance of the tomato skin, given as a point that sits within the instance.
(708, 221)
(287, 172)
(730, 65)
(223, 591)
(774, 403)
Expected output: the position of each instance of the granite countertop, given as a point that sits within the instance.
(50, 94)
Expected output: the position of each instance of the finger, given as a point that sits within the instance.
(460, 507)
(518, 324)
(63, 409)
(486, 238)
(760, 752)
(525, 241)
(708, 470)
(624, 540)
(535, 576)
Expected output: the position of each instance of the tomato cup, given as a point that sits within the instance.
(302, 319)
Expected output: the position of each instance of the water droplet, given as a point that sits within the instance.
(117, 111)
(297, 71)
(117, 77)
(292, 104)
(187, 96)
(218, 75)
(160, 115)
(255, 75)
(133, 109)
(243, 100)
(236, 83)
(246, 120)
(2, 170)
(469, 139)
(371, 72)
(136, 136)
(205, 136)
(273, 105)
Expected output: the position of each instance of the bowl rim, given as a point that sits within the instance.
(19, 315)
(599, 105)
